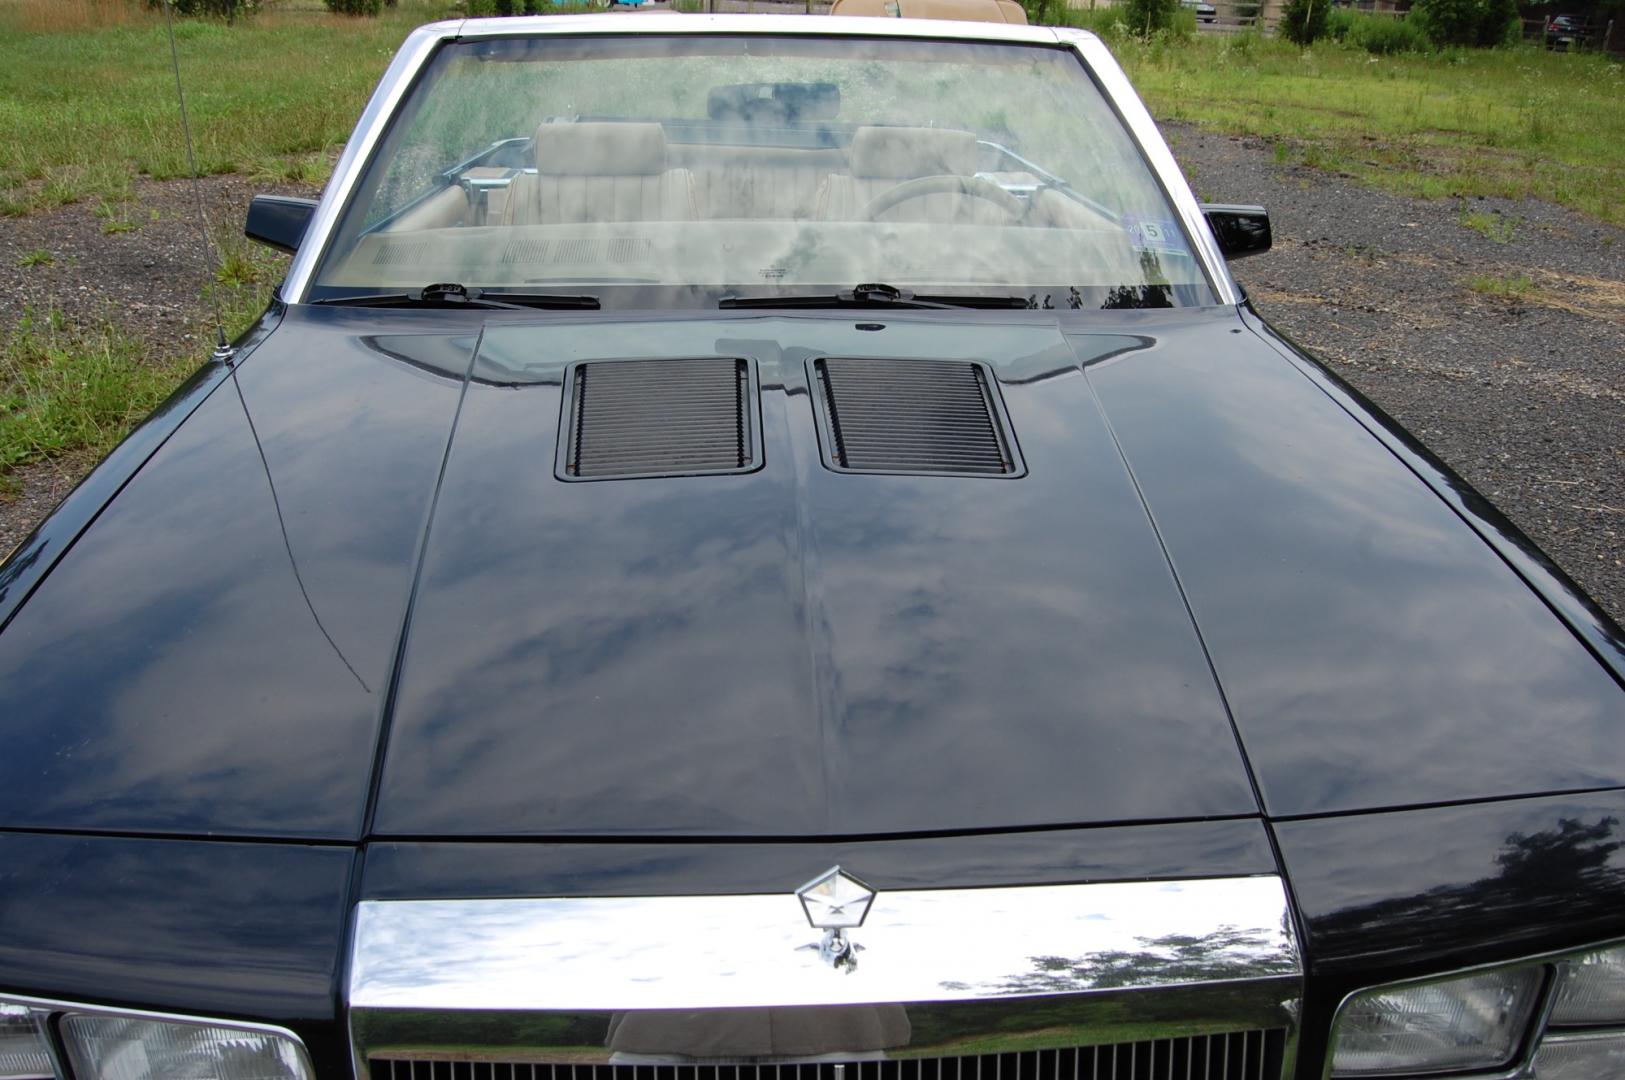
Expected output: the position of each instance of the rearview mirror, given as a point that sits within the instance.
(1240, 230)
(278, 221)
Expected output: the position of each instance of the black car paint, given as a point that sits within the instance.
(1384, 897)
(225, 930)
(354, 413)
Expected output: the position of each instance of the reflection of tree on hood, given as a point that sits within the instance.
(1568, 874)
(1563, 859)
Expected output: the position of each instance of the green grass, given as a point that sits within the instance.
(37, 257)
(65, 389)
(1492, 227)
(85, 110)
(1506, 288)
(1511, 122)
(73, 391)
(275, 96)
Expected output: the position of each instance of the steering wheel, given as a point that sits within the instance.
(971, 187)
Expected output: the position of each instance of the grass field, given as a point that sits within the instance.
(87, 105)
(84, 108)
(1511, 122)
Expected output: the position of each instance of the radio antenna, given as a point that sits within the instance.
(223, 352)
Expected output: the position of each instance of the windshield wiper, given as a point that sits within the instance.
(451, 295)
(876, 295)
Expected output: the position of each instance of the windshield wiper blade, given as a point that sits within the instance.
(451, 295)
(877, 295)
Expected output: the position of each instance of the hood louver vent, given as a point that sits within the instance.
(627, 418)
(913, 416)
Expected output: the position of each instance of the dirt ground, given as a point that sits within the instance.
(1524, 395)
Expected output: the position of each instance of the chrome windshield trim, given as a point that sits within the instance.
(386, 98)
(713, 952)
(421, 44)
(1121, 93)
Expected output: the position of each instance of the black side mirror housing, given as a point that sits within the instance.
(1240, 230)
(279, 221)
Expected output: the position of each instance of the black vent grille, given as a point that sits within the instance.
(1240, 1055)
(913, 416)
(630, 418)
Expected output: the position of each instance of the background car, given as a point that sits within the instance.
(1567, 32)
(816, 569)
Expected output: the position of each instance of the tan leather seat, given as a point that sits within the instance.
(881, 158)
(770, 182)
(600, 172)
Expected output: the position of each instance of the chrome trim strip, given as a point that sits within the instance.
(413, 54)
(58, 1008)
(422, 42)
(712, 952)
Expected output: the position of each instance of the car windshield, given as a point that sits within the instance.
(689, 170)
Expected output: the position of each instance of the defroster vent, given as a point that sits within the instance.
(912, 416)
(626, 418)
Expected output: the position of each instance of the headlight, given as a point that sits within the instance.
(1482, 1022)
(108, 1045)
(1476, 1022)
(128, 1048)
(25, 1052)
(1593, 1056)
(1590, 992)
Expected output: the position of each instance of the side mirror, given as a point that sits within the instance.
(1240, 230)
(278, 221)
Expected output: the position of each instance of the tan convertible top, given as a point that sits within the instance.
(998, 11)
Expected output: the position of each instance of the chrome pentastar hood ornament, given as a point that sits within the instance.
(836, 902)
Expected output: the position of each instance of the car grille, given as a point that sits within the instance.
(1238, 1055)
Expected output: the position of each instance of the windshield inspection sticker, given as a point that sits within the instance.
(1151, 234)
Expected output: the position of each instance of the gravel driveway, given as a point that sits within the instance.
(1524, 396)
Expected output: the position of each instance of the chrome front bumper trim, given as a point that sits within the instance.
(742, 980)
(716, 952)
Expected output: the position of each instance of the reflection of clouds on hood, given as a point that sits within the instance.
(188, 685)
(633, 637)
(1367, 640)
(769, 653)
(268, 918)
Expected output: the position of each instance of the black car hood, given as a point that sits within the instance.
(387, 616)
(796, 651)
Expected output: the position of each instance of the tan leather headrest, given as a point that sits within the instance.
(600, 149)
(898, 153)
